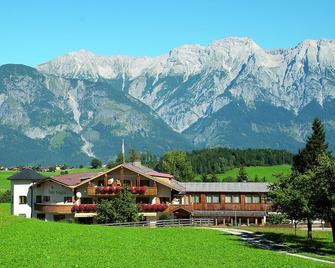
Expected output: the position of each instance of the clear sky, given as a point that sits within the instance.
(35, 31)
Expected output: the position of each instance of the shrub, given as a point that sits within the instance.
(277, 218)
(5, 197)
(165, 216)
(121, 209)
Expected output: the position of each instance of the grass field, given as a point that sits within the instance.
(5, 184)
(321, 246)
(33, 243)
(260, 171)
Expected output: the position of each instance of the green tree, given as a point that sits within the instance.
(291, 195)
(307, 158)
(324, 190)
(96, 163)
(242, 175)
(133, 156)
(121, 209)
(214, 178)
(177, 163)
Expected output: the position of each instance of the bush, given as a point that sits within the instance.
(277, 218)
(5, 197)
(165, 217)
(121, 209)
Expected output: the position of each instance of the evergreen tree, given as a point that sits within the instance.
(133, 155)
(214, 178)
(307, 158)
(242, 175)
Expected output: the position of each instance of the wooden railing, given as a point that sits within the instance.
(54, 208)
(245, 207)
(166, 223)
(91, 191)
(219, 206)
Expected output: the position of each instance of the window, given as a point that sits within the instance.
(208, 198)
(187, 200)
(216, 198)
(236, 199)
(22, 200)
(127, 182)
(67, 199)
(196, 199)
(46, 198)
(38, 199)
(248, 199)
(227, 198)
(256, 199)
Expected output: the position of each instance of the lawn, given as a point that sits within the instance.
(33, 243)
(321, 246)
(260, 171)
(5, 184)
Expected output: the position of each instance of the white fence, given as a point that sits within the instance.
(165, 223)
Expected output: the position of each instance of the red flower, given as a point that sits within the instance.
(75, 209)
(142, 189)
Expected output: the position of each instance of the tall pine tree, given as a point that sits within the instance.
(307, 158)
(242, 175)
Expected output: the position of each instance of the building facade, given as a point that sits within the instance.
(74, 196)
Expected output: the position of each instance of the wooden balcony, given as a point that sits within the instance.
(53, 208)
(219, 206)
(91, 192)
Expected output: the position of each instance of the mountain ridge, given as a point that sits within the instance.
(229, 93)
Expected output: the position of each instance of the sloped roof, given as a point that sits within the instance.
(237, 187)
(139, 170)
(146, 170)
(76, 178)
(27, 174)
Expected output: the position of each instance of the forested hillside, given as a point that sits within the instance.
(219, 160)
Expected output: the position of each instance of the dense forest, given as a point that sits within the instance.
(219, 160)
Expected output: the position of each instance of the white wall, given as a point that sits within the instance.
(56, 192)
(21, 188)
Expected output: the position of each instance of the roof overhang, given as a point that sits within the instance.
(133, 170)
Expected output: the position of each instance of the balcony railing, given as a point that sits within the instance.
(106, 191)
(219, 206)
(54, 208)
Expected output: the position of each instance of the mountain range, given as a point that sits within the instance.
(230, 93)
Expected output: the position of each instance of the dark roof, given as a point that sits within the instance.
(74, 179)
(237, 187)
(27, 174)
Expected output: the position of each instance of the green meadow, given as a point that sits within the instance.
(268, 172)
(33, 243)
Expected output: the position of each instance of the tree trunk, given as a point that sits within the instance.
(309, 229)
(295, 227)
(332, 223)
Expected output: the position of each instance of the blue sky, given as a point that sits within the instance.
(35, 31)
